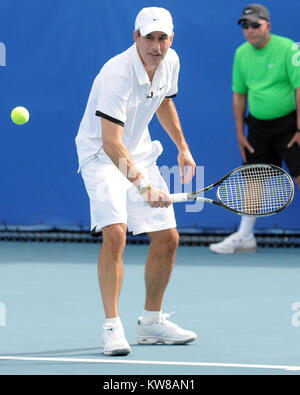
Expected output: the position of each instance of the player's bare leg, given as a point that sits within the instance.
(110, 267)
(153, 327)
(159, 266)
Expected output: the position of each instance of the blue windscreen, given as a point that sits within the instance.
(50, 53)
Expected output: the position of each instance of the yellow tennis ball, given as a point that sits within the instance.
(20, 115)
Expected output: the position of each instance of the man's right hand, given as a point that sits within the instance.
(157, 198)
(243, 145)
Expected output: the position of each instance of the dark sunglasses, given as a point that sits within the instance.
(254, 25)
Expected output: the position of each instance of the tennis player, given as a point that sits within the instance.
(266, 74)
(117, 160)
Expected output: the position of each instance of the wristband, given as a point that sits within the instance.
(143, 186)
(298, 130)
(145, 189)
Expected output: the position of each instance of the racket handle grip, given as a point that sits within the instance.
(179, 197)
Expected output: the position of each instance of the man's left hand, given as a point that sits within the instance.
(295, 139)
(185, 159)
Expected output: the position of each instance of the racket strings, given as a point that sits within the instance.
(256, 190)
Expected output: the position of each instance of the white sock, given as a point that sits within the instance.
(149, 317)
(115, 322)
(246, 226)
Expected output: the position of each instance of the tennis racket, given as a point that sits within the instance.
(256, 190)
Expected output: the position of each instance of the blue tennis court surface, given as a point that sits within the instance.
(243, 308)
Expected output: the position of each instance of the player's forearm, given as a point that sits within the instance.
(169, 120)
(118, 152)
(239, 109)
(120, 156)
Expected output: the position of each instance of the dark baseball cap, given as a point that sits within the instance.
(254, 12)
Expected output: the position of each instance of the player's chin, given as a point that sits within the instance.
(154, 59)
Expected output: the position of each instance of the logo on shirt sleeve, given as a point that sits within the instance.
(296, 56)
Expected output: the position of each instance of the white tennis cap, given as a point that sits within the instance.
(154, 19)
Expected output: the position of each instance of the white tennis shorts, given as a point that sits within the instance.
(113, 199)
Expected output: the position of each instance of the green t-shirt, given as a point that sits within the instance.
(269, 76)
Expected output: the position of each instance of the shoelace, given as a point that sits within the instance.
(110, 329)
(113, 333)
(164, 317)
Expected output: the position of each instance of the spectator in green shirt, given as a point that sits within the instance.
(266, 79)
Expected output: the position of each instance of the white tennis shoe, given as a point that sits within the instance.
(163, 331)
(114, 341)
(234, 243)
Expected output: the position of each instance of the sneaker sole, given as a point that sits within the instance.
(244, 250)
(151, 340)
(119, 352)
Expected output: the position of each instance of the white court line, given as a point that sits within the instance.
(129, 361)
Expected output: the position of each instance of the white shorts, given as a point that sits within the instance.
(113, 199)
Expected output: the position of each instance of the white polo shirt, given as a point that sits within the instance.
(122, 93)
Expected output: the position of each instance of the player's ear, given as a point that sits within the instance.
(171, 38)
(136, 35)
